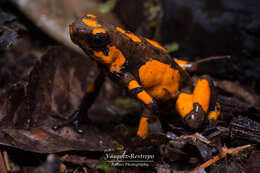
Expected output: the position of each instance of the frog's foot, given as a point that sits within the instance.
(72, 120)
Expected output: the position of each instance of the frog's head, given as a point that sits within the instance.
(88, 34)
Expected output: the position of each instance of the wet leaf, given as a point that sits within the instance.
(56, 83)
(54, 17)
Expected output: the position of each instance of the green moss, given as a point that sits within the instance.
(172, 47)
(105, 167)
(107, 6)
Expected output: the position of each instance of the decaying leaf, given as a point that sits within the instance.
(57, 84)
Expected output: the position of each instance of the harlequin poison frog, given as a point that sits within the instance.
(142, 66)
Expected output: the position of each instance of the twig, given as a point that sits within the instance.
(222, 154)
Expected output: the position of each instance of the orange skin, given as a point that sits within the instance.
(129, 35)
(161, 80)
(184, 104)
(143, 127)
(91, 16)
(91, 23)
(143, 95)
(141, 65)
(98, 30)
(214, 115)
(155, 44)
(115, 59)
(181, 63)
(201, 95)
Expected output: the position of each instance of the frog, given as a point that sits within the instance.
(144, 68)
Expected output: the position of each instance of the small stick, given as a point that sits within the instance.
(193, 66)
(212, 58)
(222, 154)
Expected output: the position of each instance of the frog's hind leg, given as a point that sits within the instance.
(88, 99)
(194, 107)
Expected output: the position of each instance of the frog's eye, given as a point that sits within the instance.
(98, 40)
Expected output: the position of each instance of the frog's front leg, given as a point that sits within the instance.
(88, 99)
(150, 103)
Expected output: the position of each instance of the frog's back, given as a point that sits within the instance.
(123, 51)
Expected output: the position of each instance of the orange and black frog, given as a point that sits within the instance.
(143, 67)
